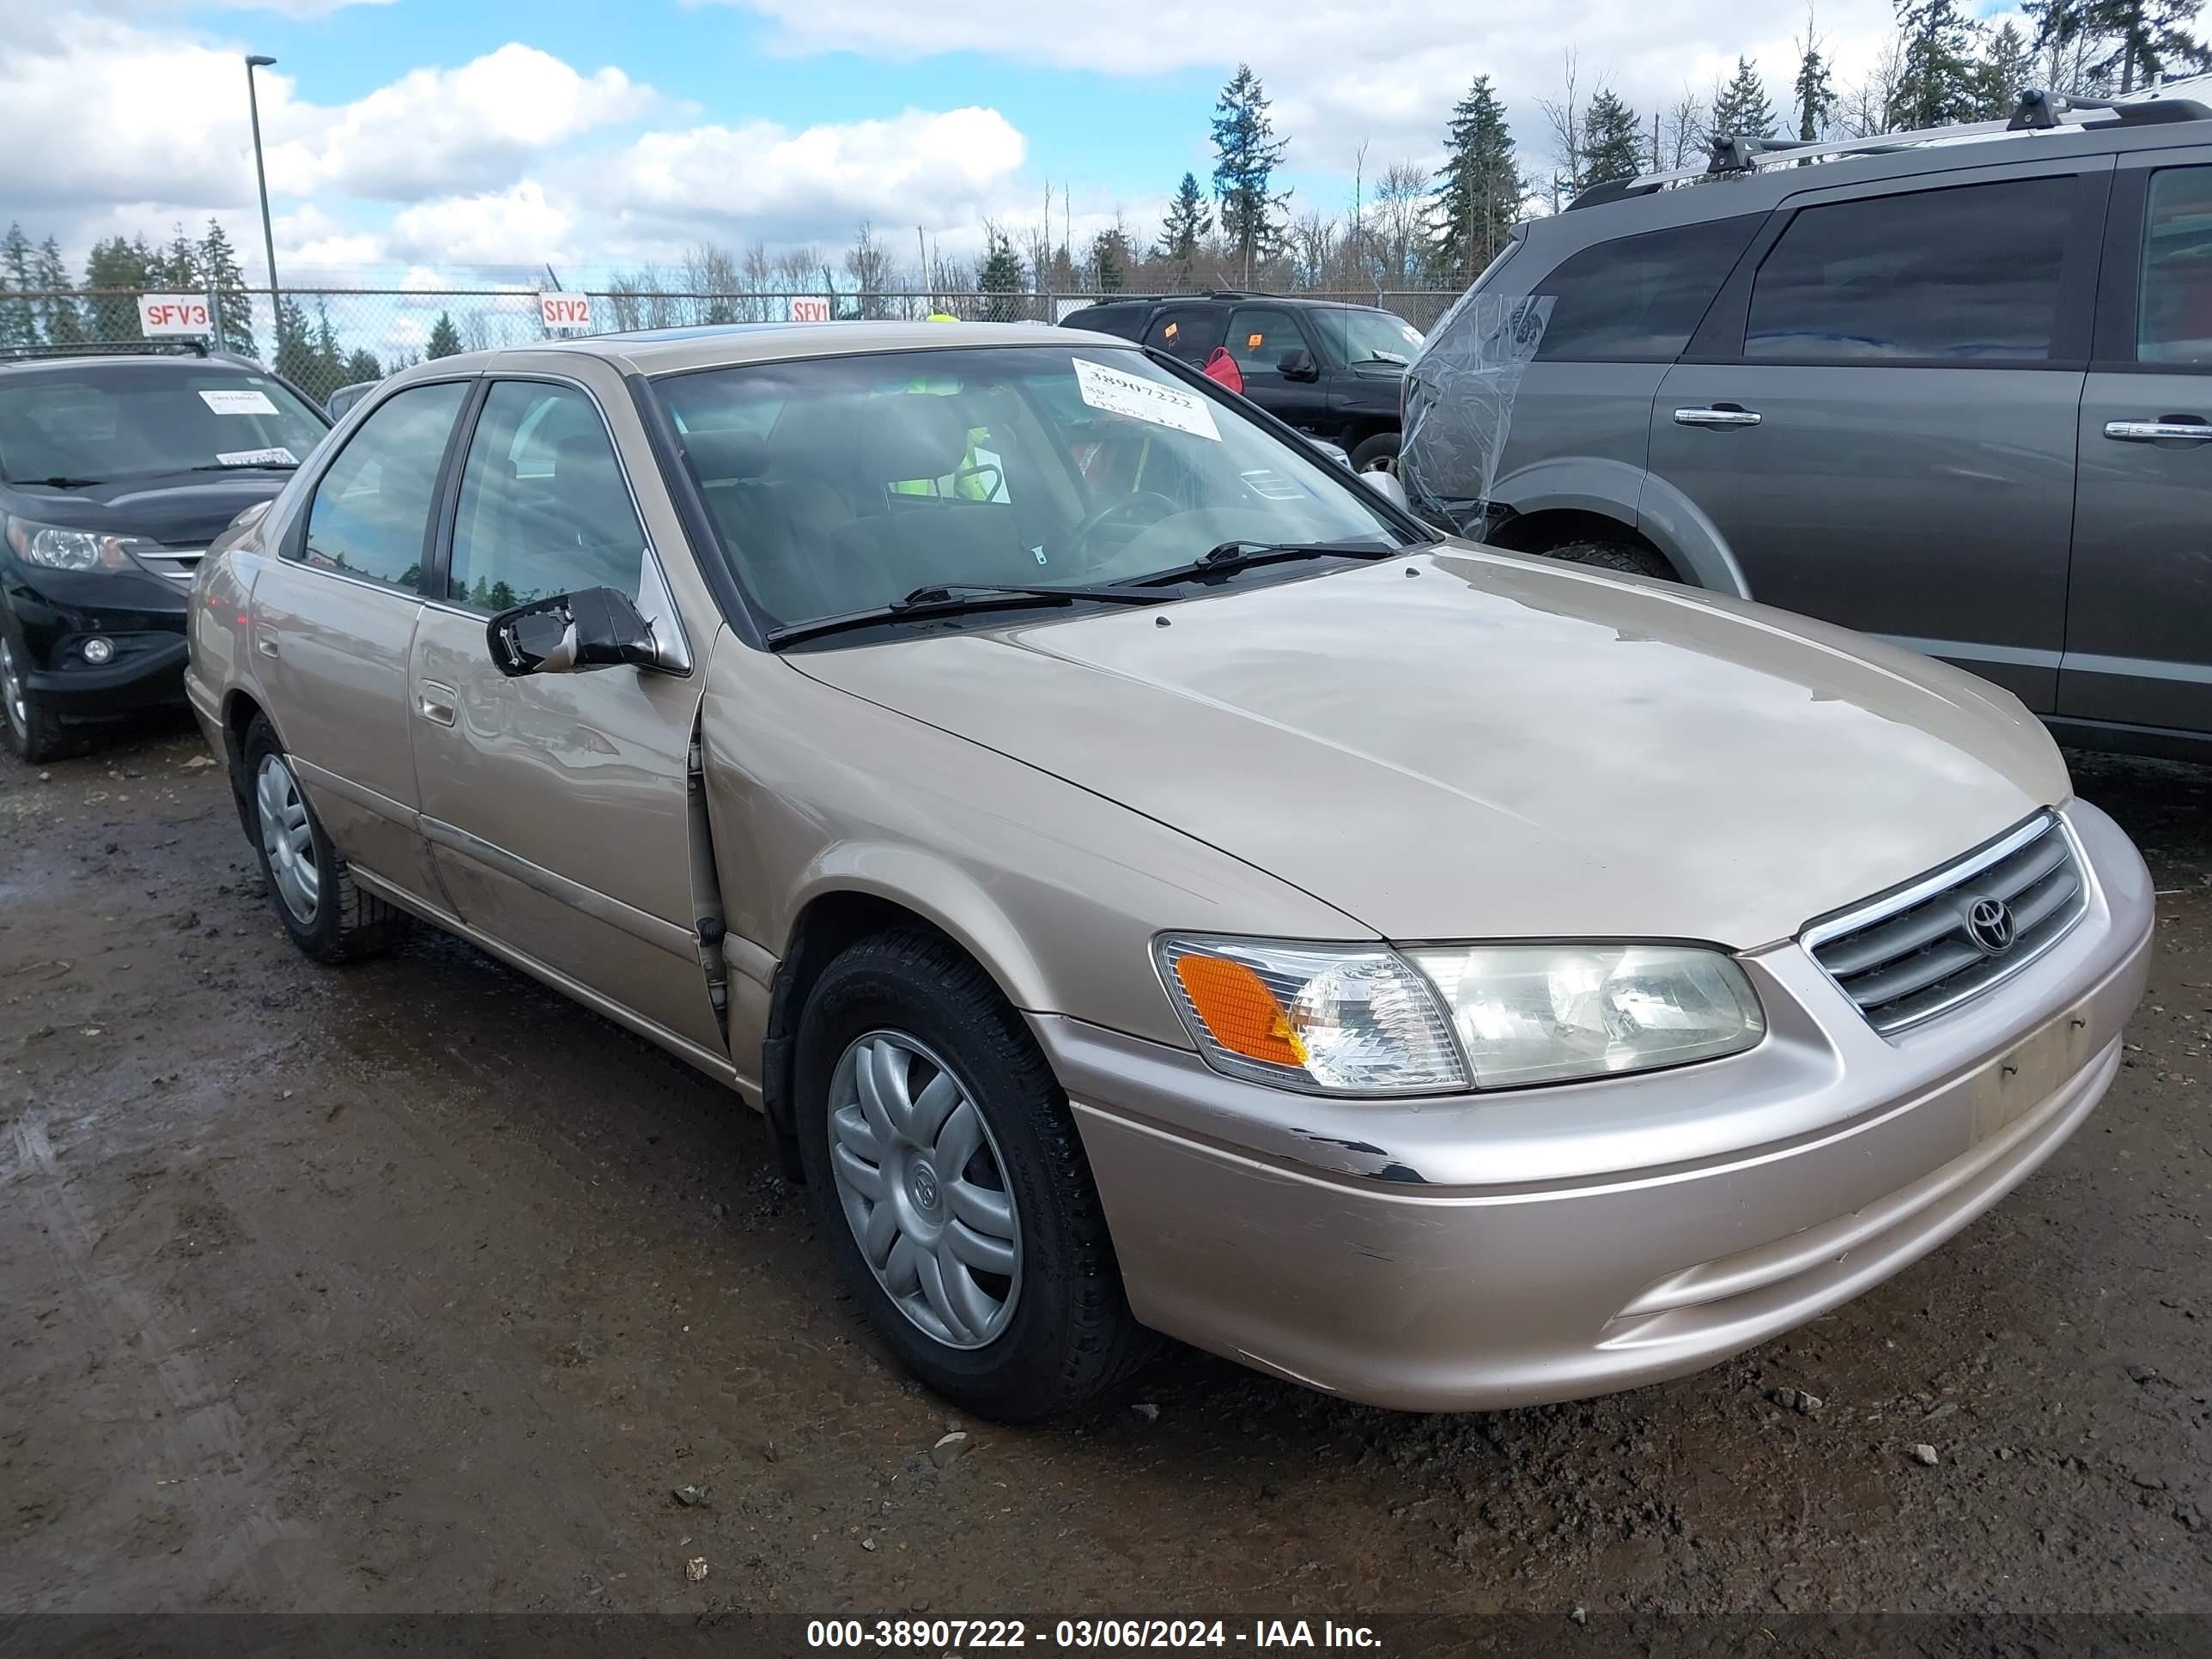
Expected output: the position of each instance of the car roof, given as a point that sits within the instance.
(718, 345)
(70, 362)
(1223, 296)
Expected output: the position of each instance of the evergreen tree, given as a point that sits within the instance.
(1814, 89)
(362, 366)
(1110, 258)
(1189, 217)
(296, 346)
(2009, 68)
(444, 338)
(2145, 38)
(1478, 192)
(59, 319)
(226, 279)
(1742, 108)
(1000, 278)
(1941, 82)
(1247, 153)
(1613, 141)
(176, 268)
(115, 273)
(19, 326)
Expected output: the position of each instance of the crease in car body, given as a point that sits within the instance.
(1104, 980)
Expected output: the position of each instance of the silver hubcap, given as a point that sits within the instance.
(11, 688)
(287, 837)
(925, 1192)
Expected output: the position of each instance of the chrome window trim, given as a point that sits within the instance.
(300, 525)
(1942, 880)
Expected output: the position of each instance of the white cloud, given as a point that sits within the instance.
(763, 179)
(516, 225)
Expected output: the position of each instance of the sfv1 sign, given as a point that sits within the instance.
(173, 313)
(809, 308)
(566, 311)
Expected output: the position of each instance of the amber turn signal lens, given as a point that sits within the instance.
(1239, 1011)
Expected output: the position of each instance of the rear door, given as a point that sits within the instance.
(1190, 331)
(334, 618)
(1878, 416)
(1260, 337)
(2138, 641)
(557, 806)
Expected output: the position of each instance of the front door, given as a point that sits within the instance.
(1878, 416)
(1259, 338)
(556, 805)
(2139, 637)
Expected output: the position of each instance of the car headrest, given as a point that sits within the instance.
(910, 435)
(718, 456)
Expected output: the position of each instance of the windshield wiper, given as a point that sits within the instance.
(242, 466)
(60, 483)
(1383, 357)
(1244, 555)
(958, 600)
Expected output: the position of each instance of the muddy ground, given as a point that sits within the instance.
(411, 1287)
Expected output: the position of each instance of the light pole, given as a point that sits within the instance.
(261, 177)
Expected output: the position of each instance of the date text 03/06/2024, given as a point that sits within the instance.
(977, 1635)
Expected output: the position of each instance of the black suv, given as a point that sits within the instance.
(116, 471)
(1332, 370)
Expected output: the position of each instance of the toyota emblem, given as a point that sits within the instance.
(1990, 925)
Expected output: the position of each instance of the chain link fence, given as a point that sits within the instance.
(323, 338)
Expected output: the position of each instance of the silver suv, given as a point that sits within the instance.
(1958, 394)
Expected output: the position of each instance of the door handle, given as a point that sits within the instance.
(434, 702)
(2149, 432)
(1718, 415)
(264, 642)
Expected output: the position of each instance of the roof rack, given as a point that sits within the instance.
(196, 347)
(1734, 154)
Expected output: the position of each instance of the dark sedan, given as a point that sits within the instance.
(115, 474)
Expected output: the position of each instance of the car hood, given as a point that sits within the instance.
(179, 509)
(1463, 744)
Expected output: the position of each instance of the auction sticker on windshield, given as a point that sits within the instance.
(239, 403)
(1117, 393)
(277, 456)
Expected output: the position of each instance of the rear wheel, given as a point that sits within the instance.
(948, 1180)
(1626, 557)
(1369, 452)
(327, 915)
(33, 732)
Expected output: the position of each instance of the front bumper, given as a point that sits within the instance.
(141, 614)
(1485, 1251)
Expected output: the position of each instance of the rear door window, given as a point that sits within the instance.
(371, 514)
(1639, 299)
(1260, 337)
(2175, 315)
(1968, 274)
(1190, 332)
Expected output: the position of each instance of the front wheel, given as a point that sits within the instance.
(1624, 557)
(947, 1174)
(1371, 452)
(33, 732)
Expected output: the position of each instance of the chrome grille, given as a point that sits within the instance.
(1917, 952)
(177, 564)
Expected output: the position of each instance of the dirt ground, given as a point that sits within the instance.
(411, 1286)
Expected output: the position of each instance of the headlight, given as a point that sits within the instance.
(62, 548)
(1367, 1020)
(1326, 1019)
(1537, 1013)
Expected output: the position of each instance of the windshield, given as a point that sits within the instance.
(1364, 337)
(107, 421)
(840, 484)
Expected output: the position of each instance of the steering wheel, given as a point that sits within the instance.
(1162, 507)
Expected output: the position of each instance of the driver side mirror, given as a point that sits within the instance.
(569, 633)
(1297, 365)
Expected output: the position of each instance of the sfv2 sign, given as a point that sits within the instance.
(566, 311)
(173, 313)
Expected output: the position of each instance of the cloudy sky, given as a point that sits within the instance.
(425, 133)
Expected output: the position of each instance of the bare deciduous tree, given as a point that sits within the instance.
(1564, 115)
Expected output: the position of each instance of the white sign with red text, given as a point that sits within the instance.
(567, 311)
(809, 308)
(173, 313)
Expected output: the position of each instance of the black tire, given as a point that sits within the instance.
(346, 924)
(1382, 447)
(35, 733)
(1624, 557)
(1070, 1336)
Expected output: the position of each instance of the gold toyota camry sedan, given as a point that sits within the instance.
(1149, 882)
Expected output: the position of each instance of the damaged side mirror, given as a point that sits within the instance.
(595, 627)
